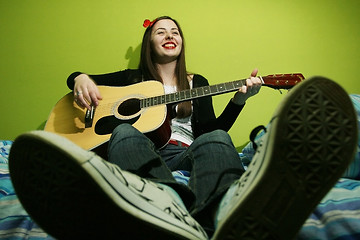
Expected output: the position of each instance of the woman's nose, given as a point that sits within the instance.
(169, 36)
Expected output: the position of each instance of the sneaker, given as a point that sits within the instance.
(309, 143)
(74, 194)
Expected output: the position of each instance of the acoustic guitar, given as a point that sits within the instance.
(143, 105)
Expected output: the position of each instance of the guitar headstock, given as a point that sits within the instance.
(283, 81)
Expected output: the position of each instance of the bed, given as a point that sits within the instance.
(337, 216)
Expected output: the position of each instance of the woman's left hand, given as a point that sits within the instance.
(252, 87)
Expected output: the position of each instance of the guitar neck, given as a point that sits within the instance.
(190, 94)
(276, 81)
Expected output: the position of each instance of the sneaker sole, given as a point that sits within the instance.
(72, 193)
(311, 141)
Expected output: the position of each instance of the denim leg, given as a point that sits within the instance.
(173, 156)
(213, 162)
(215, 166)
(134, 152)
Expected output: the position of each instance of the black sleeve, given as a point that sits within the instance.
(119, 78)
(204, 119)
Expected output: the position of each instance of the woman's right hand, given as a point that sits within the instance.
(86, 93)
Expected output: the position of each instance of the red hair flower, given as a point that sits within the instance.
(148, 23)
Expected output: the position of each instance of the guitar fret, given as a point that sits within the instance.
(229, 86)
(182, 95)
(206, 90)
(200, 91)
(213, 89)
(187, 94)
(172, 97)
(238, 84)
(193, 93)
(221, 87)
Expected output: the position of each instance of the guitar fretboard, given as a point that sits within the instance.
(190, 94)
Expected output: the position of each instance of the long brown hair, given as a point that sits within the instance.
(149, 71)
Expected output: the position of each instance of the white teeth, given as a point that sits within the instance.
(169, 45)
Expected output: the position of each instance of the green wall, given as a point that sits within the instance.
(43, 41)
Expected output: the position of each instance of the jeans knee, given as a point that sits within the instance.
(124, 130)
(216, 136)
(220, 136)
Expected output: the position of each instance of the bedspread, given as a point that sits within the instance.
(337, 216)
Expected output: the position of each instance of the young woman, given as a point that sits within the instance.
(199, 142)
(134, 195)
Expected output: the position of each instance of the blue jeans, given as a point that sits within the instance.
(212, 160)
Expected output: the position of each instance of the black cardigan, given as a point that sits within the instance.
(203, 118)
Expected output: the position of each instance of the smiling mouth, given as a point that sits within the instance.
(169, 45)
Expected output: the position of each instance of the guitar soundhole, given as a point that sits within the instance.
(129, 107)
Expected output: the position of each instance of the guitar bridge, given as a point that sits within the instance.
(89, 117)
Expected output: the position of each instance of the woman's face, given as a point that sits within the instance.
(166, 41)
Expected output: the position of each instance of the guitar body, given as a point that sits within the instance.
(119, 105)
